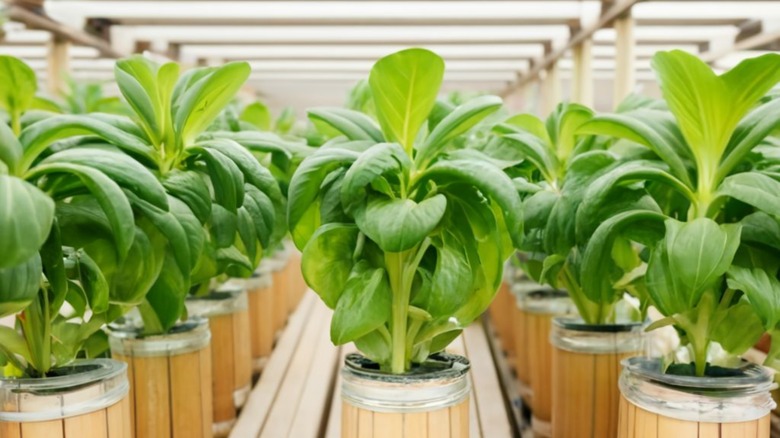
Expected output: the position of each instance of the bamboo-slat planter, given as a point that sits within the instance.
(501, 315)
(295, 282)
(658, 405)
(281, 300)
(419, 404)
(227, 310)
(259, 291)
(88, 399)
(521, 287)
(586, 368)
(540, 307)
(170, 379)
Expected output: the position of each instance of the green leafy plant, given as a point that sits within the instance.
(223, 203)
(402, 234)
(41, 189)
(552, 166)
(720, 215)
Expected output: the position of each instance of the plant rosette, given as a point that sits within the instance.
(49, 181)
(404, 237)
(712, 265)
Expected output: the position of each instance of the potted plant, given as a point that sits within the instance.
(405, 238)
(713, 270)
(222, 212)
(270, 288)
(51, 382)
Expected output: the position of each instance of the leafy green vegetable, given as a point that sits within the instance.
(403, 234)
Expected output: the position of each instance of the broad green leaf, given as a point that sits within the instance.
(17, 96)
(709, 107)
(465, 168)
(451, 280)
(379, 159)
(10, 150)
(363, 306)
(456, 123)
(327, 260)
(190, 188)
(124, 170)
(200, 104)
(26, 216)
(656, 130)
(352, 124)
(599, 271)
(755, 189)
(257, 114)
(226, 177)
(37, 137)
(525, 123)
(19, 285)
(405, 85)
(692, 258)
(303, 211)
(762, 290)
(94, 283)
(750, 132)
(740, 337)
(108, 194)
(166, 297)
(399, 224)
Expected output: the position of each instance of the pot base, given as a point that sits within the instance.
(450, 422)
(111, 422)
(635, 422)
(223, 428)
(541, 428)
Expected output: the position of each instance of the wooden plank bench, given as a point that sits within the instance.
(298, 393)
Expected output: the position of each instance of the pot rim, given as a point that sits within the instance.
(755, 378)
(229, 298)
(103, 384)
(575, 323)
(420, 391)
(185, 337)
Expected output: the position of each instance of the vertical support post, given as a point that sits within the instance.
(582, 79)
(57, 66)
(625, 56)
(551, 89)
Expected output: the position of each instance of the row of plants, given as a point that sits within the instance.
(116, 214)
(406, 207)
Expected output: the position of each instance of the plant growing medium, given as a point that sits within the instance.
(402, 234)
(712, 266)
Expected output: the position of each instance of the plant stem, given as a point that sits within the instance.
(396, 262)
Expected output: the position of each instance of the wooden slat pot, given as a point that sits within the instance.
(278, 264)
(586, 368)
(521, 287)
(88, 399)
(658, 405)
(540, 307)
(170, 379)
(430, 404)
(227, 310)
(259, 290)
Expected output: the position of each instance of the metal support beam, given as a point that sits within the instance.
(60, 30)
(551, 89)
(57, 64)
(625, 56)
(617, 8)
(752, 36)
(582, 85)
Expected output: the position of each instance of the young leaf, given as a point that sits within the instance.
(405, 85)
(327, 260)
